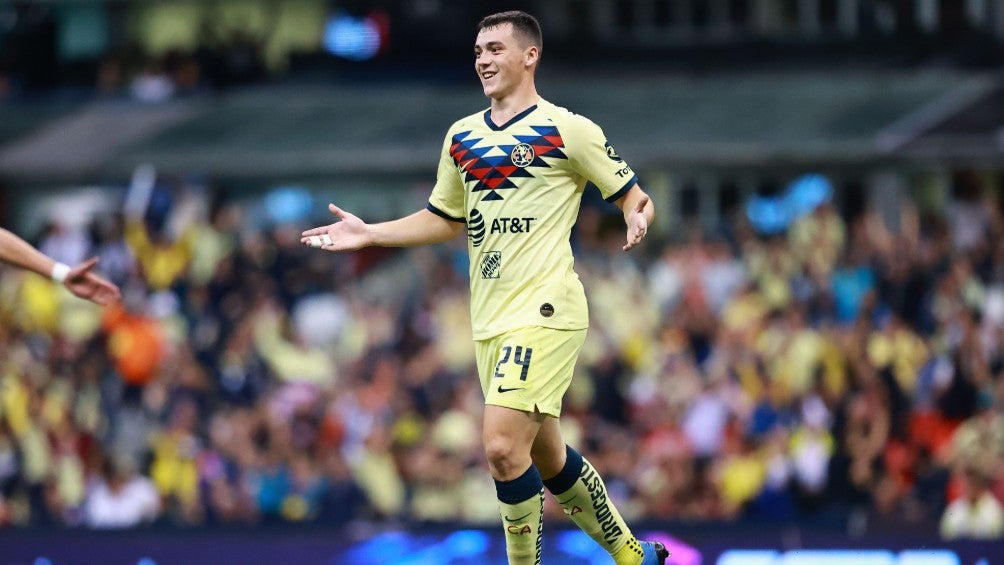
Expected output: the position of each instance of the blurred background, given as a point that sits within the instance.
(813, 350)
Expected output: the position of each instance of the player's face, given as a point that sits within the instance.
(500, 61)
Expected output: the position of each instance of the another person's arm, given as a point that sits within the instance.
(78, 279)
(350, 232)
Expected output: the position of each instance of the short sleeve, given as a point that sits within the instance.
(594, 158)
(447, 198)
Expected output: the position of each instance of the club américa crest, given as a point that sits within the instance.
(522, 155)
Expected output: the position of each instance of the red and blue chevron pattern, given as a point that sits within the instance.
(494, 173)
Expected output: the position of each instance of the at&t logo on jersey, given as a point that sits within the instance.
(491, 264)
(476, 228)
(511, 225)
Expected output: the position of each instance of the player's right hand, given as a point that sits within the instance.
(347, 234)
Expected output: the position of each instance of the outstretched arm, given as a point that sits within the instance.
(639, 213)
(79, 279)
(350, 232)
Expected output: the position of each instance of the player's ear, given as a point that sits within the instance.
(530, 55)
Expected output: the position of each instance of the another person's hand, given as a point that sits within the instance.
(88, 285)
(637, 224)
(347, 234)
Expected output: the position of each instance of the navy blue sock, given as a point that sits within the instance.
(523, 487)
(583, 496)
(565, 479)
(521, 503)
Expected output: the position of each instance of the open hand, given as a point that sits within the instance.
(347, 234)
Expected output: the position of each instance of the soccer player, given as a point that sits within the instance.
(80, 280)
(514, 175)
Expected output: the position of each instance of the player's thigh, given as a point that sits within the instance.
(514, 429)
(529, 368)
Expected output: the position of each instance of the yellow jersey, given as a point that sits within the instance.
(518, 187)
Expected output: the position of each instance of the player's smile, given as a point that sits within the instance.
(491, 81)
(488, 72)
(487, 76)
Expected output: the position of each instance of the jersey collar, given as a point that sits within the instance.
(516, 118)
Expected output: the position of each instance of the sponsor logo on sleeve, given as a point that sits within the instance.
(611, 153)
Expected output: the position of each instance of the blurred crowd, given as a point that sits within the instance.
(130, 73)
(213, 66)
(850, 366)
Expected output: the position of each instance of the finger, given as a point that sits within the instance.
(314, 231)
(318, 240)
(634, 239)
(640, 207)
(102, 297)
(342, 214)
(84, 267)
(112, 292)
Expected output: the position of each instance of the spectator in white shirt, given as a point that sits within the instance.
(976, 515)
(121, 498)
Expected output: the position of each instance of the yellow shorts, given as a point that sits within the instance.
(528, 368)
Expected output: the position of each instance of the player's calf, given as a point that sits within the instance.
(521, 502)
(583, 496)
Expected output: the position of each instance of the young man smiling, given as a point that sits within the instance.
(514, 176)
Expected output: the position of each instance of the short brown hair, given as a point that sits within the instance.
(524, 26)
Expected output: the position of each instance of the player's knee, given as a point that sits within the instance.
(499, 449)
(503, 456)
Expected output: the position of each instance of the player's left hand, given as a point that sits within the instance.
(637, 224)
(89, 286)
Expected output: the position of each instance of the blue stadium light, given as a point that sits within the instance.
(388, 546)
(583, 547)
(407, 549)
(748, 557)
(929, 557)
(286, 204)
(467, 547)
(838, 557)
(352, 38)
(459, 546)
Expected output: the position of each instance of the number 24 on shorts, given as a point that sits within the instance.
(520, 356)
